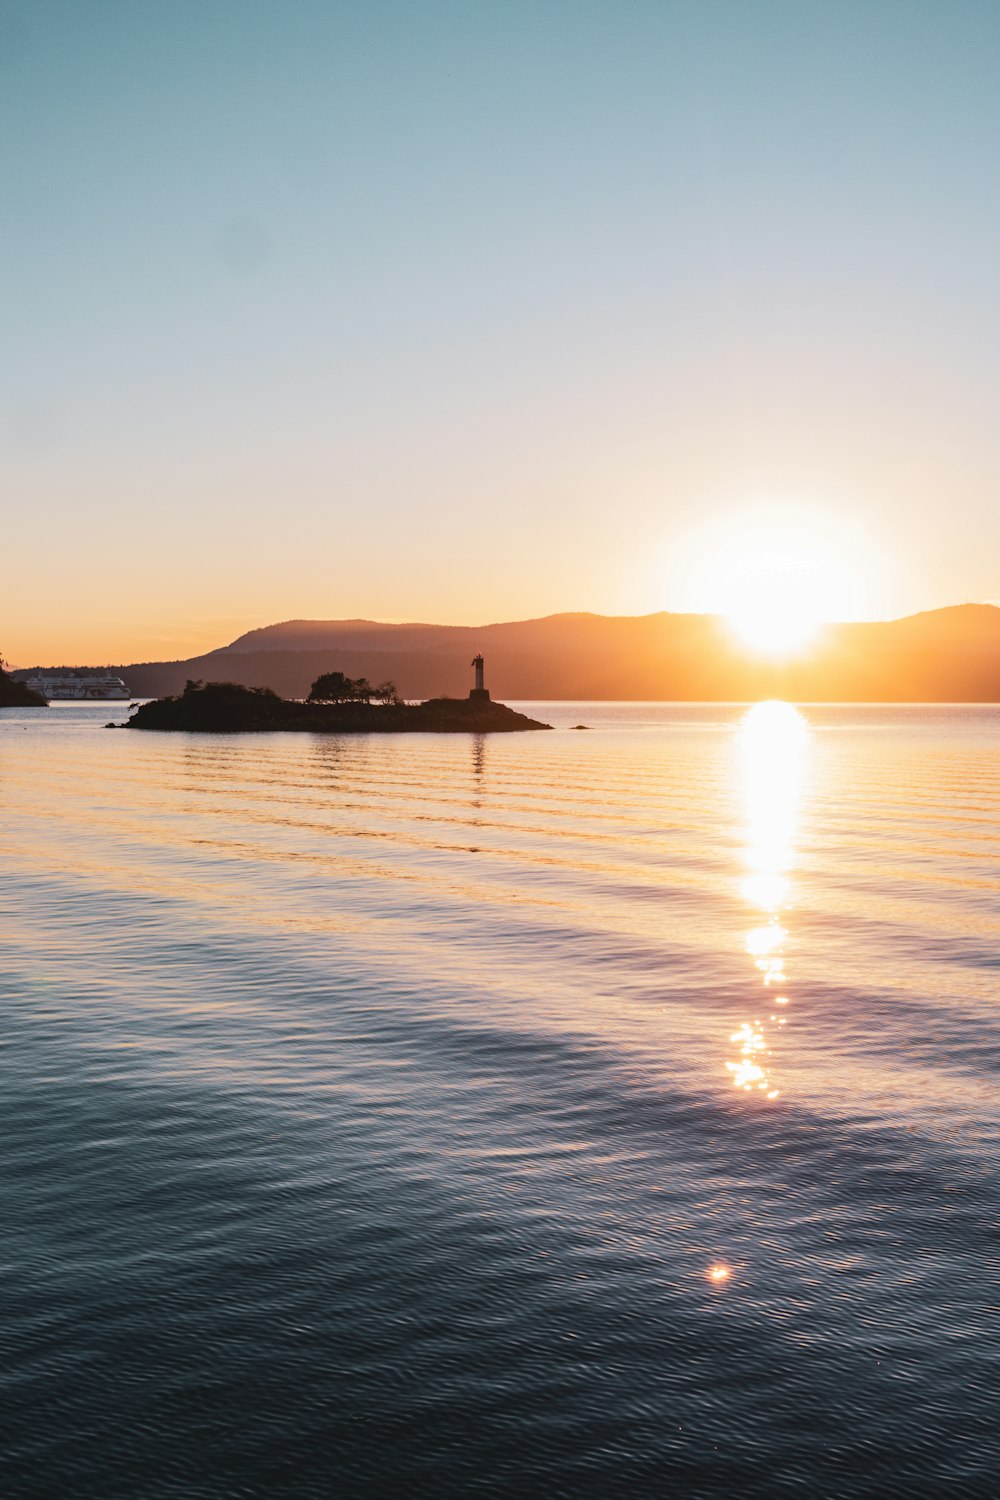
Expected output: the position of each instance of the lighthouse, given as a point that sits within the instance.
(479, 694)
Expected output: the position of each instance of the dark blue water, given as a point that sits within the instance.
(564, 1115)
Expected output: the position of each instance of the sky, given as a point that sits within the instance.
(468, 312)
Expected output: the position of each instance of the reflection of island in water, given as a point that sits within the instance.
(478, 768)
(772, 743)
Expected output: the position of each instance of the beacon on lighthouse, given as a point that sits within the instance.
(479, 693)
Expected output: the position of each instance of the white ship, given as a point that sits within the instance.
(80, 685)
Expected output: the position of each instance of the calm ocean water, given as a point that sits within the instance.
(578, 1114)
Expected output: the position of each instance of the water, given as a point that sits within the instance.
(565, 1115)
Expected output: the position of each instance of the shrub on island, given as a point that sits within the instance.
(334, 687)
(215, 706)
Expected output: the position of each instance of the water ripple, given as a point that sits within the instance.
(368, 1128)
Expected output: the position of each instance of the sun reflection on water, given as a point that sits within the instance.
(772, 743)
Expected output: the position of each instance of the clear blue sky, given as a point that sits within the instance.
(473, 311)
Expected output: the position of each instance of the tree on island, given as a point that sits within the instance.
(335, 687)
(197, 687)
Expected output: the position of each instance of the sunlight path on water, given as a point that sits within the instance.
(772, 746)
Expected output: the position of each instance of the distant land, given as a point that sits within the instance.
(947, 655)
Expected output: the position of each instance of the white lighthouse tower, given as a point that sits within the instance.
(479, 693)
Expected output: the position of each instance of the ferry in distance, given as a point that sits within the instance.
(84, 686)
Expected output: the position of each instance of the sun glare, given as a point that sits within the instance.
(777, 574)
(775, 607)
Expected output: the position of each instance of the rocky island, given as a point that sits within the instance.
(336, 705)
(16, 694)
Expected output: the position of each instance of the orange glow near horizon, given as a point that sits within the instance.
(778, 574)
(84, 641)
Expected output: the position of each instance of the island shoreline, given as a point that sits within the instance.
(229, 708)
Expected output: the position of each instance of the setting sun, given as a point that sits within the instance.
(778, 573)
(775, 608)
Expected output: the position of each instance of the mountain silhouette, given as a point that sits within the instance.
(944, 655)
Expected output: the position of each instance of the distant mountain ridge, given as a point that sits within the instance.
(945, 655)
(567, 630)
